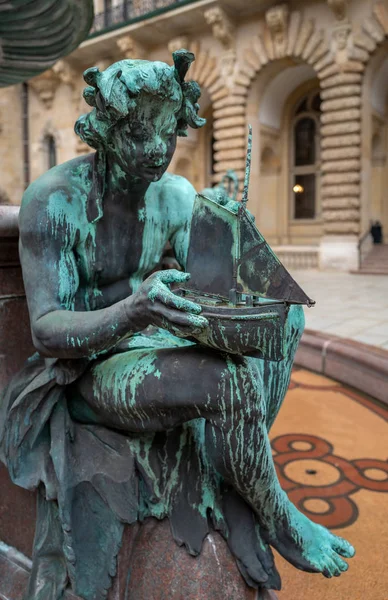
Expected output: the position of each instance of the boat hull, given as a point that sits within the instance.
(257, 331)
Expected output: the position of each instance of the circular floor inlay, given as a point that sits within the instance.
(316, 505)
(300, 471)
(302, 446)
(376, 474)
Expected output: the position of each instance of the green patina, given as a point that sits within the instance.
(211, 428)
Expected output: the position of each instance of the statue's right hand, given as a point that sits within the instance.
(155, 304)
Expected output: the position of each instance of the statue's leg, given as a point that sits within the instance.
(242, 540)
(276, 375)
(155, 390)
(49, 575)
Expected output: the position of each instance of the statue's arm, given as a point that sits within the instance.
(51, 282)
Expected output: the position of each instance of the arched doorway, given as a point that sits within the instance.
(284, 109)
(305, 146)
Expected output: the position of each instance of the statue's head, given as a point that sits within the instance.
(139, 109)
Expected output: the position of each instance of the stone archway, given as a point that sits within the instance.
(282, 36)
(339, 68)
(287, 41)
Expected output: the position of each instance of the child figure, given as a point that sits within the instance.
(117, 418)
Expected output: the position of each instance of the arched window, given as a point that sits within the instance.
(51, 151)
(305, 160)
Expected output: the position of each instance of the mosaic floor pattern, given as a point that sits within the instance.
(330, 448)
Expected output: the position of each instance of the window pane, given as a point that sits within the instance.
(305, 142)
(302, 107)
(51, 152)
(316, 103)
(304, 194)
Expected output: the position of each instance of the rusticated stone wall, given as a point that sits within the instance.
(341, 127)
(236, 55)
(340, 69)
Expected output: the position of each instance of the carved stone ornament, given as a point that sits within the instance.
(339, 8)
(227, 65)
(67, 75)
(177, 43)
(277, 21)
(341, 35)
(223, 28)
(129, 48)
(45, 85)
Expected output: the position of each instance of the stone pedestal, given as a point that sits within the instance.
(152, 566)
(339, 253)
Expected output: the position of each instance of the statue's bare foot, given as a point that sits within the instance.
(306, 545)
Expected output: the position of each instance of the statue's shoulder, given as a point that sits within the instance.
(59, 190)
(176, 190)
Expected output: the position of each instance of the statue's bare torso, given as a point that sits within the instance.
(112, 256)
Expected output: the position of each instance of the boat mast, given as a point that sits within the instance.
(249, 299)
(244, 199)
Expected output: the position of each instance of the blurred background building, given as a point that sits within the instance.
(311, 76)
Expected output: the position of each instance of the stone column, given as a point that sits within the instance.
(341, 85)
(341, 166)
(340, 81)
(228, 93)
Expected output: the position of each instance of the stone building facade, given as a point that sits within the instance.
(310, 76)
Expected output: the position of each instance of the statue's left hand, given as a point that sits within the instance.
(155, 304)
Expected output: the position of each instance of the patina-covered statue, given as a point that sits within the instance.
(123, 414)
(226, 190)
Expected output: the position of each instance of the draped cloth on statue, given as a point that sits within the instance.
(103, 478)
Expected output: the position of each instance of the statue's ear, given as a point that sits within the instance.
(91, 76)
(182, 61)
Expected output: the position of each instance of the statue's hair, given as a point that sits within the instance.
(113, 95)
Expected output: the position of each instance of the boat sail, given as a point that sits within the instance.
(244, 289)
(228, 256)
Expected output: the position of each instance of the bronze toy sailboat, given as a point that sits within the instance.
(243, 288)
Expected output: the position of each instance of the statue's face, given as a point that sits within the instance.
(144, 143)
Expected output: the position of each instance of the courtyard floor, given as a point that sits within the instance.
(330, 449)
(350, 306)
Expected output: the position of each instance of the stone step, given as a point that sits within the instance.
(376, 262)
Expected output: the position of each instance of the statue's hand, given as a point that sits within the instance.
(155, 304)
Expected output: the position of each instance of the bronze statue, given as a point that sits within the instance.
(122, 414)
